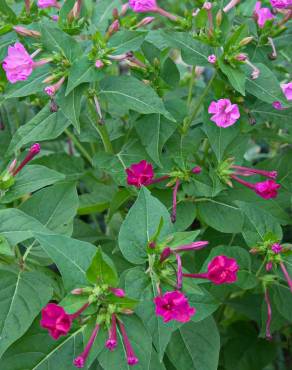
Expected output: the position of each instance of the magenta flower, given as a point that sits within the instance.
(277, 248)
(48, 4)
(118, 292)
(33, 151)
(277, 105)
(287, 90)
(267, 189)
(140, 174)
(111, 343)
(281, 4)
(56, 320)
(80, 361)
(262, 15)
(173, 306)
(225, 113)
(141, 6)
(18, 64)
(99, 64)
(212, 59)
(246, 171)
(131, 357)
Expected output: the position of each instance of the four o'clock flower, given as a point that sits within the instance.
(52, 89)
(131, 357)
(262, 15)
(287, 90)
(140, 174)
(80, 361)
(118, 292)
(267, 189)
(212, 58)
(225, 113)
(281, 4)
(18, 64)
(277, 105)
(142, 6)
(173, 306)
(57, 320)
(111, 343)
(33, 151)
(269, 315)
(48, 4)
(221, 270)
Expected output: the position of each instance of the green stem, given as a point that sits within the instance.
(103, 133)
(198, 106)
(191, 86)
(78, 145)
(261, 267)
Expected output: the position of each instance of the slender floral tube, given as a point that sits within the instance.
(80, 361)
(286, 274)
(174, 201)
(243, 182)
(179, 276)
(33, 151)
(159, 179)
(111, 343)
(269, 315)
(79, 312)
(131, 357)
(166, 14)
(230, 5)
(273, 55)
(246, 171)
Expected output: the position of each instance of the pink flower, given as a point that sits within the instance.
(173, 306)
(139, 174)
(131, 357)
(246, 171)
(80, 361)
(18, 64)
(111, 343)
(118, 292)
(56, 320)
(52, 89)
(277, 105)
(225, 113)
(281, 4)
(287, 90)
(48, 4)
(33, 151)
(267, 189)
(141, 6)
(262, 15)
(222, 270)
(99, 64)
(212, 59)
(145, 21)
(277, 248)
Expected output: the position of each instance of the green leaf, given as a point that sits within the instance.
(140, 224)
(43, 126)
(54, 206)
(9, 13)
(72, 257)
(103, 14)
(222, 215)
(96, 201)
(235, 76)
(22, 296)
(258, 224)
(30, 179)
(283, 300)
(126, 40)
(130, 93)
(204, 303)
(70, 105)
(154, 130)
(193, 51)
(101, 270)
(195, 346)
(5, 248)
(16, 226)
(266, 87)
(58, 41)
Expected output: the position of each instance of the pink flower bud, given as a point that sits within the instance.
(212, 59)
(145, 21)
(197, 170)
(269, 266)
(25, 32)
(118, 292)
(99, 64)
(207, 5)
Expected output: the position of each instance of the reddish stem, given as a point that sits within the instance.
(174, 201)
(286, 274)
(269, 313)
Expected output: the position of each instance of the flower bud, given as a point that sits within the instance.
(25, 32)
(219, 18)
(246, 41)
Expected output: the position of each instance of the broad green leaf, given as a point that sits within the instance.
(58, 41)
(44, 126)
(22, 296)
(140, 225)
(38, 351)
(5, 247)
(195, 346)
(130, 93)
(102, 14)
(123, 41)
(30, 179)
(72, 257)
(7, 11)
(96, 201)
(235, 76)
(258, 224)
(193, 51)
(204, 303)
(101, 270)
(222, 215)
(154, 130)
(16, 226)
(54, 206)
(283, 300)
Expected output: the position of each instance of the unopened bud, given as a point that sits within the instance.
(114, 27)
(35, 149)
(25, 32)
(77, 291)
(219, 18)
(246, 41)
(152, 245)
(207, 5)
(115, 13)
(145, 21)
(124, 9)
(253, 251)
(241, 57)
(99, 64)
(196, 170)
(269, 266)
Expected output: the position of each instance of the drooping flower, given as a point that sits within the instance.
(281, 4)
(262, 15)
(52, 89)
(221, 270)
(173, 306)
(212, 58)
(225, 113)
(132, 359)
(80, 361)
(287, 90)
(267, 189)
(48, 4)
(140, 174)
(141, 6)
(111, 343)
(56, 320)
(18, 64)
